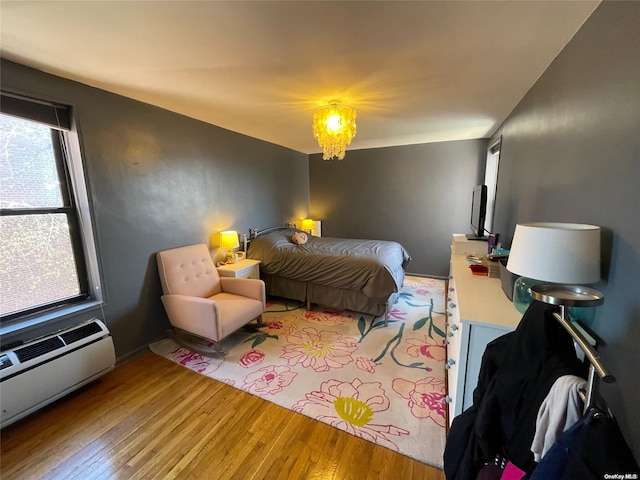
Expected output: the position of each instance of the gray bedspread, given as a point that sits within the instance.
(374, 267)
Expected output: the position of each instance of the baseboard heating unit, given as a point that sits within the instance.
(38, 372)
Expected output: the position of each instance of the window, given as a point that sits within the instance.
(47, 254)
(491, 181)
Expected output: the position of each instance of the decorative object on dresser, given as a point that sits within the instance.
(204, 308)
(564, 253)
(477, 312)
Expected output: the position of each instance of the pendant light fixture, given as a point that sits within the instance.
(334, 126)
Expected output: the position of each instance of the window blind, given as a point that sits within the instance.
(51, 114)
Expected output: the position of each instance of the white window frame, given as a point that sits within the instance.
(491, 181)
(78, 188)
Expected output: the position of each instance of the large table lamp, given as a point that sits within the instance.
(556, 261)
(559, 253)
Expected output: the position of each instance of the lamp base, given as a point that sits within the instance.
(521, 297)
(582, 312)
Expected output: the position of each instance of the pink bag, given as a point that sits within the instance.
(511, 472)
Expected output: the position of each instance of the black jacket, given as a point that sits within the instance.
(516, 374)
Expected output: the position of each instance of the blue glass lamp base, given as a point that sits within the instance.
(522, 299)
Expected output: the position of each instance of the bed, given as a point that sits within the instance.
(360, 275)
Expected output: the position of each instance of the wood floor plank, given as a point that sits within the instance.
(153, 419)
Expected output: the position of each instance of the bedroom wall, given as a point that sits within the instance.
(160, 180)
(417, 195)
(571, 153)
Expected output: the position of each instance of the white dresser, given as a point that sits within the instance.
(478, 312)
(245, 268)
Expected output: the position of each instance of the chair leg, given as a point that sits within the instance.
(217, 349)
(197, 344)
(260, 322)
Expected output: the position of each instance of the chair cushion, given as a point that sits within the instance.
(188, 271)
(235, 311)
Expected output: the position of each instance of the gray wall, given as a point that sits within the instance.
(571, 153)
(160, 180)
(417, 195)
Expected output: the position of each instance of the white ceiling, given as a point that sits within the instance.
(417, 71)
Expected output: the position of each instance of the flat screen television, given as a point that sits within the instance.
(478, 213)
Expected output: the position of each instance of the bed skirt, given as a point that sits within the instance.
(328, 296)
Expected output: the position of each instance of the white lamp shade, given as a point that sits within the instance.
(229, 239)
(556, 252)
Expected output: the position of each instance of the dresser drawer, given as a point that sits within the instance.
(452, 340)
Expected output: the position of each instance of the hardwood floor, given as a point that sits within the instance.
(153, 419)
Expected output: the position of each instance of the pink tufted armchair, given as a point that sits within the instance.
(200, 303)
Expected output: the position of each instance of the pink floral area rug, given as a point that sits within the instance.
(383, 384)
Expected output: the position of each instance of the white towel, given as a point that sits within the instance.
(559, 411)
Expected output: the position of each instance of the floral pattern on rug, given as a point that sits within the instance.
(351, 406)
(344, 368)
(320, 350)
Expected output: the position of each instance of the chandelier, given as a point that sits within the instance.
(334, 126)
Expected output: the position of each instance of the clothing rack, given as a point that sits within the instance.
(597, 371)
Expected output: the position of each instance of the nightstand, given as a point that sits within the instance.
(245, 268)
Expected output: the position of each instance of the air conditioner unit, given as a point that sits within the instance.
(36, 373)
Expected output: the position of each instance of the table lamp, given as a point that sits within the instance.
(307, 225)
(229, 241)
(556, 261)
(558, 253)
